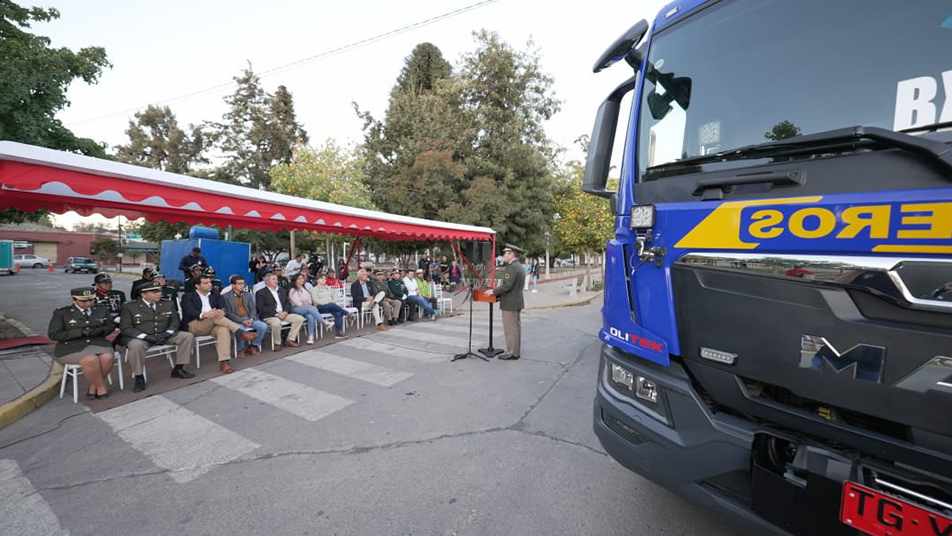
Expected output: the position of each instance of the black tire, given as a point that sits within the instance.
(95, 271)
(38, 265)
(65, 270)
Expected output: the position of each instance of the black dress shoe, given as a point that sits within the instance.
(182, 373)
(507, 357)
(140, 384)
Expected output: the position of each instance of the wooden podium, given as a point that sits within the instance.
(480, 296)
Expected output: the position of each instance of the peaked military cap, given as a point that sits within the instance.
(151, 285)
(512, 248)
(147, 271)
(83, 293)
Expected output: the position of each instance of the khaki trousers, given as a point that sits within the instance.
(184, 343)
(512, 327)
(391, 308)
(274, 323)
(221, 329)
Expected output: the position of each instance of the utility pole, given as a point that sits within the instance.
(120, 244)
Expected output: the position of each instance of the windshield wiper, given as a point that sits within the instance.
(928, 128)
(935, 151)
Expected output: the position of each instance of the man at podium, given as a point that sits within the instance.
(511, 303)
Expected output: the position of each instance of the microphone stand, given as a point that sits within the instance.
(469, 349)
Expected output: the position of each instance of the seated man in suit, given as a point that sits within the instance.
(240, 308)
(150, 321)
(361, 291)
(274, 307)
(203, 313)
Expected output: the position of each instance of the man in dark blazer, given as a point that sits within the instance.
(150, 321)
(362, 294)
(274, 307)
(240, 308)
(203, 313)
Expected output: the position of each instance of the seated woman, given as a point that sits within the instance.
(80, 332)
(303, 305)
(456, 275)
(325, 298)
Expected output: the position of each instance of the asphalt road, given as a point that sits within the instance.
(381, 435)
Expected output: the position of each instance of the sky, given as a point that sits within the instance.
(185, 54)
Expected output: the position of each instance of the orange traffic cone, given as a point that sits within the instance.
(51, 267)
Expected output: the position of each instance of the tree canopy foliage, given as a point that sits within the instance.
(467, 145)
(328, 173)
(156, 141)
(33, 80)
(257, 132)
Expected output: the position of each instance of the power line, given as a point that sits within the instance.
(299, 63)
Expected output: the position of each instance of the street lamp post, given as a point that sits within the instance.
(548, 242)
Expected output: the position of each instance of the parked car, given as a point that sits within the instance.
(81, 264)
(33, 261)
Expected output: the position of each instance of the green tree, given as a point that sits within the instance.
(156, 141)
(506, 99)
(105, 248)
(783, 130)
(157, 231)
(467, 147)
(33, 81)
(585, 221)
(328, 173)
(406, 153)
(258, 131)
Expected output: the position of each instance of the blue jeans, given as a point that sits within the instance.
(338, 312)
(421, 301)
(256, 325)
(311, 314)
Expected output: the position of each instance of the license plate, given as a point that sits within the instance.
(875, 513)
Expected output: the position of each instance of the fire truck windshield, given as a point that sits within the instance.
(744, 73)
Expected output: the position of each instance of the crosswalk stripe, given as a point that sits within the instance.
(174, 438)
(382, 347)
(367, 372)
(293, 397)
(455, 328)
(424, 336)
(23, 510)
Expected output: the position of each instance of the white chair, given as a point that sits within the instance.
(285, 325)
(156, 351)
(74, 371)
(200, 341)
(343, 299)
(445, 304)
(258, 286)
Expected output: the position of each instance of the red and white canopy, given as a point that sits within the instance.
(33, 178)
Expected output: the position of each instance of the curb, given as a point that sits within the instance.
(584, 301)
(34, 398)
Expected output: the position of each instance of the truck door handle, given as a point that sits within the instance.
(714, 188)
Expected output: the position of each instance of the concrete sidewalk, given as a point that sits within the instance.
(28, 375)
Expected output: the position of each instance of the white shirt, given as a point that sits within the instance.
(206, 303)
(277, 299)
(412, 288)
(293, 267)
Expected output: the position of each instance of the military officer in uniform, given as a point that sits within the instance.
(148, 274)
(150, 321)
(509, 296)
(169, 294)
(79, 331)
(111, 299)
(190, 283)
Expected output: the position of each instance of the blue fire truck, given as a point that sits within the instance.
(777, 318)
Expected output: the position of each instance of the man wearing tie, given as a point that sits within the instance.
(152, 321)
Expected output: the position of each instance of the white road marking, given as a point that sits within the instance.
(424, 336)
(293, 397)
(367, 372)
(385, 348)
(174, 438)
(23, 511)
